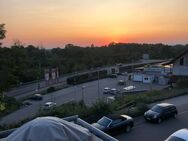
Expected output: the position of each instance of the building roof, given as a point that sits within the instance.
(176, 58)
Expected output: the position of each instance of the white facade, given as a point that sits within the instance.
(137, 77)
(148, 78)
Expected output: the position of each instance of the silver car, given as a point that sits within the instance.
(180, 135)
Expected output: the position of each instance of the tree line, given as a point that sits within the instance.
(20, 63)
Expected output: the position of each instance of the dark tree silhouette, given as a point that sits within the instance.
(2, 31)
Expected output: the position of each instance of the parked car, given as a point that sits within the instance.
(49, 105)
(124, 73)
(106, 90)
(110, 99)
(128, 88)
(36, 97)
(112, 123)
(114, 91)
(180, 135)
(26, 103)
(113, 76)
(121, 82)
(160, 112)
(119, 64)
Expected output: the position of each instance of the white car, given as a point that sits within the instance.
(49, 105)
(110, 99)
(121, 82)
(180, 135)
(129, 88)
(114, 91)
(106, 90)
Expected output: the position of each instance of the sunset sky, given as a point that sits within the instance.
(53, 23)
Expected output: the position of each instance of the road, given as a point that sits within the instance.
(30, 88)
(145, 131)
(90, 92)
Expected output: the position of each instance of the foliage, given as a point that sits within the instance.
(182, 83)
(50, 89)
(9, 104)
(22, 63)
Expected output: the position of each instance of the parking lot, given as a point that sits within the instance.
(89, 92)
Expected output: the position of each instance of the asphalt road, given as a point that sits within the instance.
(146, 131)
(31, 88)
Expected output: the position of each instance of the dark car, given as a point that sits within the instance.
(113, 76)
(26, 103)
(160, 112)
(121, 82)
(112, 123)
(36, 97)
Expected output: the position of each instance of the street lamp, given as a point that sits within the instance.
(98, 84)
(83, 93)
(75, 86)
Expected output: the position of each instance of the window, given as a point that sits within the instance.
(116, 121)
(182, 61)
(104, 121)
(157, 109)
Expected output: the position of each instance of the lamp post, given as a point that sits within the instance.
(98, 84)
(83, 93)
(75, 86)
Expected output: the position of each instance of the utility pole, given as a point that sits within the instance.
(98, 84)
(83, 93)
(75, 86)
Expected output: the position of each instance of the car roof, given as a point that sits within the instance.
(165, 104)
(182, 133)
(37, 94)
(49, 102)
(113, 89)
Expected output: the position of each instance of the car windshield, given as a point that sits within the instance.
(104, 121)
(173, 138)
(157, 109)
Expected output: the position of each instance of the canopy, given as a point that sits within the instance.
(50, 129)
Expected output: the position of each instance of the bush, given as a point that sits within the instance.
(99, 109)
(9, 105)
(138, 110)
(182, 83)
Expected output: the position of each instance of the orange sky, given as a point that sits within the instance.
(53, 23)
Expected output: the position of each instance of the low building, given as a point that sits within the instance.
(138, 77)
(155, 73)
(148, 78)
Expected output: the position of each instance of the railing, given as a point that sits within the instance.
(77, 120)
